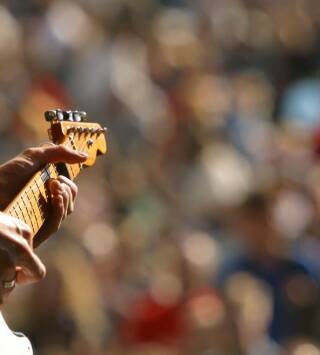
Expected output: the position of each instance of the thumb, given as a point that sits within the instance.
(54, 154)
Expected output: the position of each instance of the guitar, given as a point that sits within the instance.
(32, 204)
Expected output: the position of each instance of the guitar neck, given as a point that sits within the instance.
(32, 205)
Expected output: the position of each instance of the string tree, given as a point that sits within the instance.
(90, 142)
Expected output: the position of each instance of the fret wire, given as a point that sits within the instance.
(14, 206)
(55, 169)
(37, 199)
(39, 181)
(32, 206)
(47, 172)
(42, 216)
(27, 211)
(14, 210)
(36, 184)
(22, 214)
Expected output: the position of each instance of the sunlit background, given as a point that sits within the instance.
(199, 232)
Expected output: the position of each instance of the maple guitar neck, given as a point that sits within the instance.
(32, 205)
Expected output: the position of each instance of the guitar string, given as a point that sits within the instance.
(36, 182)
(45, 169)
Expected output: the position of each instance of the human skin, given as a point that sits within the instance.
(18, 259)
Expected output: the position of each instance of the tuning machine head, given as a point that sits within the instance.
(79, 116)
(50, 115)
(60, 115)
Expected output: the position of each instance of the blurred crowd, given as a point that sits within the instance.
(199, 232)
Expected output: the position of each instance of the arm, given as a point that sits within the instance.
(18, 262)
(17, 258)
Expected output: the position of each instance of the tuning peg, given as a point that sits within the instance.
(50, 115)
(68, 116)
(76, 116)
(102, 130)
(59, 115)
(83, 116)
(79, 116)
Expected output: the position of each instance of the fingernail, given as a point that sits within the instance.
(84, 155)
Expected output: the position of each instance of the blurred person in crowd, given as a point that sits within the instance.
(74, 316)
(169, 78)
(302, 347)
(250, 301)
(292, 287)
(18, 261)
(180, 312)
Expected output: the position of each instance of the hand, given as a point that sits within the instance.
(17, 260)
(15, 174)
(63, 193)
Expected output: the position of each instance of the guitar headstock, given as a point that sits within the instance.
(71, 128)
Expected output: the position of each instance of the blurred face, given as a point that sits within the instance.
(252, 228)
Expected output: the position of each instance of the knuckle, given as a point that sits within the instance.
(31, 152)
(65, 194)
(21, 228)
(26, 231)
(75, 189)
(68, 189)
(24, 246)
(61, 150)
(42, 273)
(69, 184)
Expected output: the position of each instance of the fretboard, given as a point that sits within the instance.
(32, 204)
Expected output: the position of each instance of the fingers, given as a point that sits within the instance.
(73, 187)
(22, 229)
(21, 251)
(67, 190)
(70, 192)
(63, 194)
(16, 250)
(31, 267)
(54, 154)
(53, 224)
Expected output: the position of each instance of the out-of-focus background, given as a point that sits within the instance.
(199, 232)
